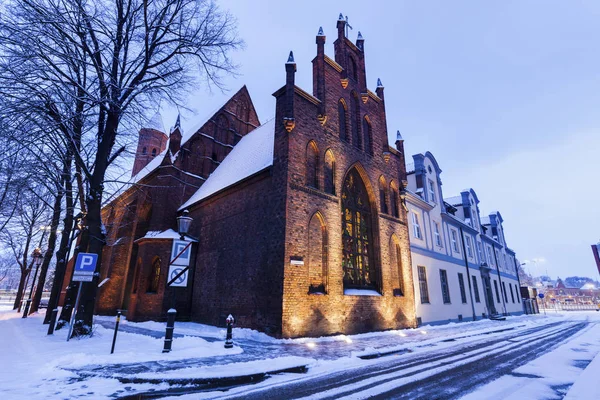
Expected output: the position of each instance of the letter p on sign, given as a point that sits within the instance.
(86, 262)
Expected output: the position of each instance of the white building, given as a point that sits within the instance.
(461, 266)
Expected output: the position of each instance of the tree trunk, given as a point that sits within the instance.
(21, 289)
(49, 252)
(94, 236)
(65, 245)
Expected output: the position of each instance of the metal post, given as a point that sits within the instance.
(170, 328)
(112, 349)
(229, 337)
(52, 321)
(74, 311)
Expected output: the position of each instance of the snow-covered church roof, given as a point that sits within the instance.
(253, 153)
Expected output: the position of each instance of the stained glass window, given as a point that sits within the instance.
(357, 262)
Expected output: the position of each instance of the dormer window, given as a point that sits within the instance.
(431, 191)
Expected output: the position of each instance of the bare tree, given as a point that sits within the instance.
(113, 59)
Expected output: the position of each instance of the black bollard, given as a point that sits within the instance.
(112, 349)
(170, 328)
(52, 321)
(229, 338)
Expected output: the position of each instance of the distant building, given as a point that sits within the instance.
(560, 293)
(461, 265)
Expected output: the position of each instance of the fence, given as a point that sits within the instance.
(569, 307)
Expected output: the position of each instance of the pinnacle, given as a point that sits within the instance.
(341, 17)
(291, 58)
(360, 36)
(379, 84)
(320, 31)
(398, 136)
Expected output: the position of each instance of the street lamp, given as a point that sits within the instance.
(183, 224)
(37, 259)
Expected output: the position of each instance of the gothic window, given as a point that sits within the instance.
(317, 255)
(154, 277)
(153, 152)
(138, 265)
(356, 141)
(394, 200)
(312, 165)
(368, 135)
(352, 73)
(396, 265)
(342, 111)
(144, 151)
(357, 238)
(329, 172)
(382, 197)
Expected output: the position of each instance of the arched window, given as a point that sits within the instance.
(356, 141)
(367, 135)
(154, 277)
(312, 165)
(357, 238)
(382, 197)
(352, 73)
(396, 264)
(394, 199)
(144, 151)
(343, 119)
(329, 172)
(153, 152)
(317, 254)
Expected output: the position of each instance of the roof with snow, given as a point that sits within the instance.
(485, 220)
(454, 200)
(253, 153)
(156, 123)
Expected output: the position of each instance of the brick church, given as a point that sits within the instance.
(299, 226)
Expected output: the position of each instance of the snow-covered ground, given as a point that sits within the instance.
(34, 365)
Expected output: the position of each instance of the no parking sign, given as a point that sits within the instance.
(182, 279)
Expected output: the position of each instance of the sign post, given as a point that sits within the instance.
(541, 296)
(85, 266)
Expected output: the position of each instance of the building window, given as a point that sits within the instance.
(416, 226)
(329, 172)
(355, 110)
(445, 289)
(382, 199)
(423, 285)
(454, 238)
(489, 255)
(517, 293)
(512, 295)
(400, 271)
(461, 285)
(468, 246)
(479, 252)
(497, 293)
(504, 291)
(343, 125)
(312, 165)
(144, 151)
(476, 290)
(436, 233)
(394, 200)
(153, 152)
(431, 191)
(154, 277)
(317, 254)
(357, 260)
(367, 133)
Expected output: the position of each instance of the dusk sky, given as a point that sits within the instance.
(506, 95)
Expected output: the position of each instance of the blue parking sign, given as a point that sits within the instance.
(86, 263)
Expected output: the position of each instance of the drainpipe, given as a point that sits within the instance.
(519, 280)
(462, 238)
(502, 291)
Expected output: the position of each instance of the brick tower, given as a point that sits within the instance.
(151, 142)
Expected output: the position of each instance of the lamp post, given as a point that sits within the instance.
(183, 226)
(37, 259)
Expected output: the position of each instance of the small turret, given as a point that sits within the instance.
(151, 142)
(175, 136)
(360, 42)
(319, 76)
(379, 89)
(290, 76)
